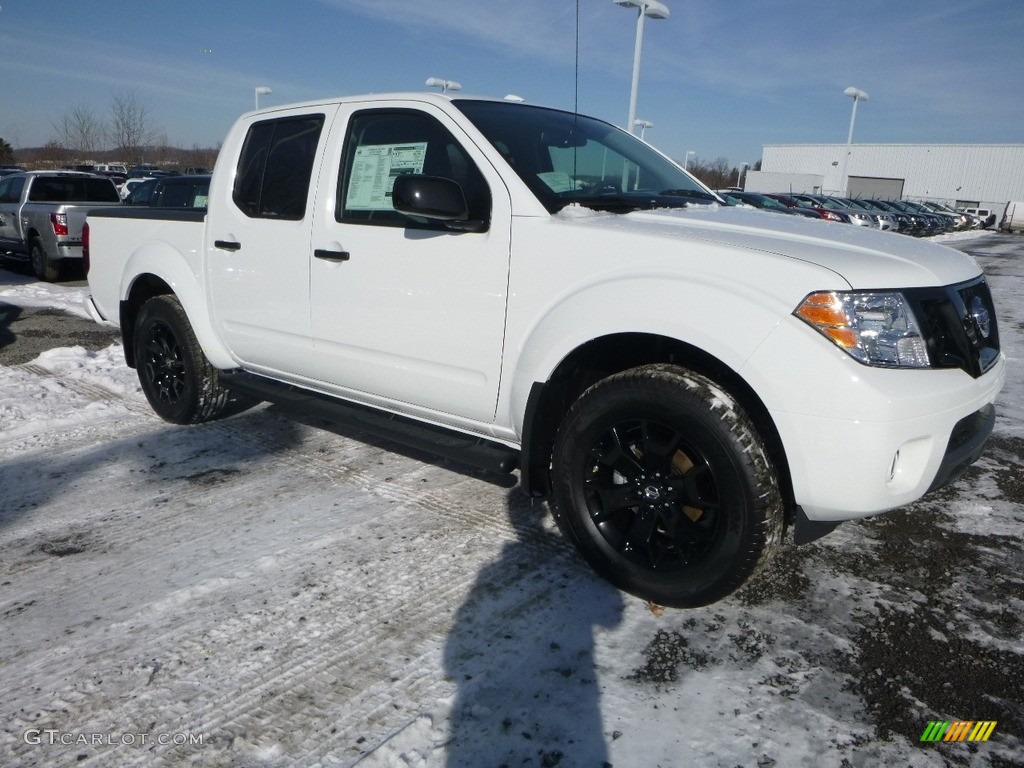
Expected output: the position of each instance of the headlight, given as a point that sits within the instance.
(874, 328)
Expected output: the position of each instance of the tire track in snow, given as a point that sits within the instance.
(346, 649)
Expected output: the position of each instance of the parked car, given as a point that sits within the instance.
(791, 201)
(149, 171)
(857, 216)
(107, 169)
(42, 212)
(928, 223)
(768, 203)
(130, 184)
(946, 223)
(986, 217)
(961, 220)
(171, 192)
(885, 221)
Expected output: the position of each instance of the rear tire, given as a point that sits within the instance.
(665, 487)
(43, 267)
(177, 379)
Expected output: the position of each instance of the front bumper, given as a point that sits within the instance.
(861, 440)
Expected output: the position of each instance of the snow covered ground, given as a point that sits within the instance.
(262, 591)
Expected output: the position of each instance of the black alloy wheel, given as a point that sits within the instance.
(665, 487)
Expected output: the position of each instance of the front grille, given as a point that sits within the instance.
(959, 325)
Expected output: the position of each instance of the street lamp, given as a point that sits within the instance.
(857, 95)
(655, 10)
(444, 85)
(686, 160)
(643, 125)
(261, 90)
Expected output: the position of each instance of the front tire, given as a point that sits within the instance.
(42, 266)
(177, 379)
(665, 487)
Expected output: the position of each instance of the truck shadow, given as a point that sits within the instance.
(166, 460)
(521, 653)
(8, 315)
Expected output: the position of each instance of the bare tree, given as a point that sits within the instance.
(81, 131)
(52, 155)
(131, 127)
(715, 173)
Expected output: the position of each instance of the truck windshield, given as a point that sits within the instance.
(567, 158)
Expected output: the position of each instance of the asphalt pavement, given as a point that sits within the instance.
(26, 332)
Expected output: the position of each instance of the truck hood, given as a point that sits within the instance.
(864, 258)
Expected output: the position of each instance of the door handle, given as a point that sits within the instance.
(322, 253)
(227, 245)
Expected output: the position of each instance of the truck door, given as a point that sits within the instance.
(408, 313)
(10, 197)
(257, 244)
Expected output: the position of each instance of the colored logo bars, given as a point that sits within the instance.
(958, 730)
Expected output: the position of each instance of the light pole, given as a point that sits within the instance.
(857, 95)
(686, 160)
(444, 85)
(643, 125)
(655, 10)
(261, 90)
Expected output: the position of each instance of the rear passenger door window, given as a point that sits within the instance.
(275, 167)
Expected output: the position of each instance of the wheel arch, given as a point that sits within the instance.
(599, 358)
(145, 286)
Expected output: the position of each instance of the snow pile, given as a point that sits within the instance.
(27, 293)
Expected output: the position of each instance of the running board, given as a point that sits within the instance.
(440, 441)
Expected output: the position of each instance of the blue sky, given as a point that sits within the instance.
(720, 78)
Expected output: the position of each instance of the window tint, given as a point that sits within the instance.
(188, 194)
(73, 189)
(275, 167)
(383, 145)
(12, 190)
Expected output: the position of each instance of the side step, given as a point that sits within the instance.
(440, 441)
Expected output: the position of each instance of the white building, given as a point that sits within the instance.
(962, 175)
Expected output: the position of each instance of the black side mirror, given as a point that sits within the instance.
(435, 198)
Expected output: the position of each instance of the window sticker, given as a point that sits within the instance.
(374, 170)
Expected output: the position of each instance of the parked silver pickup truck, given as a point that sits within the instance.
(42, 212)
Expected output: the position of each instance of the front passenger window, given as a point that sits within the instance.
(385, 144)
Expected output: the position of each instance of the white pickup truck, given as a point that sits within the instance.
(521, 288)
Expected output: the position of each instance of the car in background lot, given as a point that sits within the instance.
(961, 220)
(768, 203)
(928, 223)
(884, 220)
(171, 192)
(986, 217)
(791, 201)
(42, 213)
(857, 216)
(130, 184)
